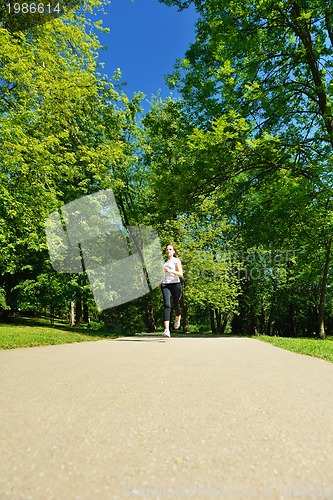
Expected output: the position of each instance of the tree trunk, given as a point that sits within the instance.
(150, 320)
(292, 325)
(78, 313)
(236, 324)
(271, 314)
(302, 30)
(186, 328)
(71, 313)
(184, 309)
(218, 319)
(224, 323)
(312, 324)
(52, 314)
(85, 312)
(254, 330)
(321, 325)
(212, 320)
(262, 317)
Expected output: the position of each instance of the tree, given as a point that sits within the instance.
(282, 250)
(211, 283)
(61, 134)
(173, 155)
(165, 161)
(269, 63)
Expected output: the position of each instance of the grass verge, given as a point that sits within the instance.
(33, 333)
(311, 347)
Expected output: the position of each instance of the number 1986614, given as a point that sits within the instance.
(34, 8)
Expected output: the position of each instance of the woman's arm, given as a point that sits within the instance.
(179, 269)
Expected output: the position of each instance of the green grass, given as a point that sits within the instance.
(33, 333)
(312, 347)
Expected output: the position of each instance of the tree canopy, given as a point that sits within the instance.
(269, 64)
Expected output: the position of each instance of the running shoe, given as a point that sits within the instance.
(177, 323)
(166, 333)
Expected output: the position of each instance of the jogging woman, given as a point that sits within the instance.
(171, 287)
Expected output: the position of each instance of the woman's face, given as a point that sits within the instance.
(170, 250)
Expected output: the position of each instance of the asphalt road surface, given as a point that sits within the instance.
(144, 417)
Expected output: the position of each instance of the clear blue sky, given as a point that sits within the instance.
(144, 41)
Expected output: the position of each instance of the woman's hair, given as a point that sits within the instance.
(175, 253)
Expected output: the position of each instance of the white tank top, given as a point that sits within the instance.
(169, 277)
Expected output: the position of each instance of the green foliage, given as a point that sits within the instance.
(179, 170)
(164, 155)
(269, 61)
(51, 292)
(3, 303)
(266, 70)
(63, 132)
(209, 276)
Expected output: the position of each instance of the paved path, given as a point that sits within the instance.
(143, 417)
